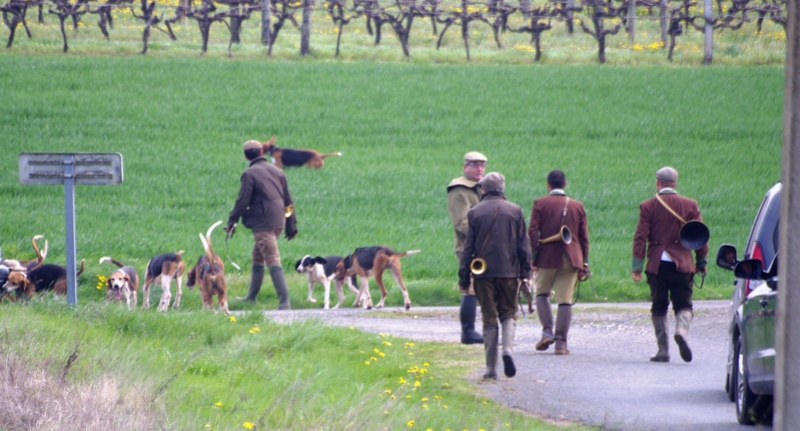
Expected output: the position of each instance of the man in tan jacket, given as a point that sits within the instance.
(670, 268)
(462, 195)
(558, 263)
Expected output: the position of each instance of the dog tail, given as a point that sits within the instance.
(330, 154)
(83, 266)
(206, 240)
(40, 255)
(409, 252)
(108, 259)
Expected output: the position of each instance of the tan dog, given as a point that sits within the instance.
(22, 265)
(122, 282)
(164, 268)
(209, 273)
(40, 280)
(286, 157)
(366, 262)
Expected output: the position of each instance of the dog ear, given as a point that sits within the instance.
(321, 260)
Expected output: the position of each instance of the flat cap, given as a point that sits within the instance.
(251, 145)
(667, 174)
(474, 156)
(493, 182)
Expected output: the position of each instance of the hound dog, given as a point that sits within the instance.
(23, 265)
(322, 270)
(122, 282)
(164, 268)
(209, 272)
(366, 262)
(40, 280)
(286, 157)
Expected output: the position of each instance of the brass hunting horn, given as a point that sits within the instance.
(478, 265)
(693, 234)
(563, 235)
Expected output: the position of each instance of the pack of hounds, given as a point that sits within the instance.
(31, 277)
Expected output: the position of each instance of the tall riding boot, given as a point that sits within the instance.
(563, 320)
(546, 319)
(660, 326)
(490, 347)
(509, 328)
(276, 273)
(256, 278)
(682, 320)
(469, 304)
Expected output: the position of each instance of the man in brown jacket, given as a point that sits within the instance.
(262, 205)
(559, 261)
(496, 234)
(462, 195)
(670, 267)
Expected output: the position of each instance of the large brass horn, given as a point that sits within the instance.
(694, 234)
(563, 235)
(478, 266)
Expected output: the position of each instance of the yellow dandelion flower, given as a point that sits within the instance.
(255, 329)
(386, 343)
(424, 406)
(426, 364)
(376, 351)
(417, 384)
(410, 423)
(218, 404)
(249, 425)
(352, 327)
(401, 380)
(208, 427)
(367, 362)
(393, 397)
(232, 319)
(424, 399)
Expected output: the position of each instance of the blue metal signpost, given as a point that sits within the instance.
(70, 169)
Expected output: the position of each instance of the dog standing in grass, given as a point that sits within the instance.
(287, 157)
(123, 282)
(209, 274)
(164, 268)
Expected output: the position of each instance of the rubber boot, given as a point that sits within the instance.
(490, 347)
(276, 274)
(563, 320)
(682, 320)
(546, 319)
(469, 304)
(660, 327)
(256, 279)
(509, 328)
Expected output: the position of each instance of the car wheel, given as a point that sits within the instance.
(750, 408)
(732, 382)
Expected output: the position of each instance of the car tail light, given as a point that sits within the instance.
(757, 253)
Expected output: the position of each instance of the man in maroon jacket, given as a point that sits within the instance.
(558, 263)
(670, 267)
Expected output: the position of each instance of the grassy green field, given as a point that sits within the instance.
(402, 129)
(179, 121)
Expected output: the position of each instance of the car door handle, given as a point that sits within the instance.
(763, 303)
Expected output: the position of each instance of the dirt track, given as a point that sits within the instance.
(606, 381)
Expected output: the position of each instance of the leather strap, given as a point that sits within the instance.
(661, 201)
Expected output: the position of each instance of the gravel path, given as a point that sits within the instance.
(606, 381)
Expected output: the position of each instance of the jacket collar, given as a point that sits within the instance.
(667, 191)
(557, 192)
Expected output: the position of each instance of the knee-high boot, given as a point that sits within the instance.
(509, 329)
(682, 320)
(660, 327)
(469, 304)
(563, 320)
(276, 274)
(546, 319)
(256, 278)
(490, 348)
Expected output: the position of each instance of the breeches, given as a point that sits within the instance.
(669, 284)
(265, 248)
(498, 299)
(563, 280)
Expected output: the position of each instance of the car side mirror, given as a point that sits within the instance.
(726, 257)
(750, 269)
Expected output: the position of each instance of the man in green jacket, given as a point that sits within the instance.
(462, 195)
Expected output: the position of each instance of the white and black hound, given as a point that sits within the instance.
(322, 270)
(164, 267)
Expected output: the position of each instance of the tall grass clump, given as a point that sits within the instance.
(403, 129)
